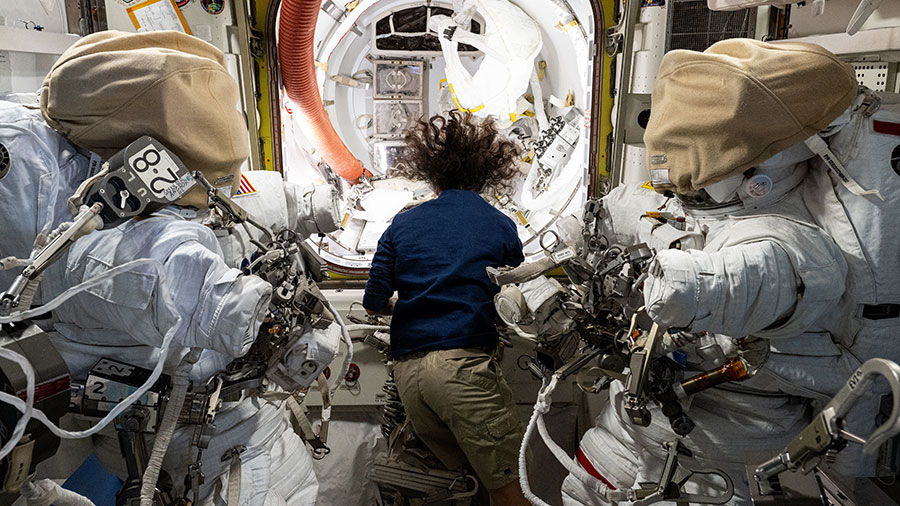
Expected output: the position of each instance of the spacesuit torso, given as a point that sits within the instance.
(760, 270)
(869, 146)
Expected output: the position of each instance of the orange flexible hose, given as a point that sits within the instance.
(296, 34)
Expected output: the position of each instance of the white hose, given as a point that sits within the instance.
(345, 334)
(180, 384)
(27, 404)
(541, 407)
(25, 407)
(12, 262)
(529, 432)
(48, 492)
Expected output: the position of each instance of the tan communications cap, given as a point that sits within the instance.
(720, 112)
(110, 88)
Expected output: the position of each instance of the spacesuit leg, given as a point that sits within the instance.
(280, 472)
(608, 453)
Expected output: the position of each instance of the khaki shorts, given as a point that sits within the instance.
(461, 407)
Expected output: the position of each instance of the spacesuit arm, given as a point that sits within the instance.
(736, 291)
(224, 307)
(380, 286)
(312, 209)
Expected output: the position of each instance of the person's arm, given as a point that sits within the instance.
(380, 286)
(387, 310)
(514, 255)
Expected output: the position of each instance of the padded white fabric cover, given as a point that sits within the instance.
(511, 42)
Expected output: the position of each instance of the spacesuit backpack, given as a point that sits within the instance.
(868, 145)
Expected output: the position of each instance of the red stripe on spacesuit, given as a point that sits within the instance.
(586, 464)
(884, 127)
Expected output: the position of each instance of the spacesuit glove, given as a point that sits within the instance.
(309, 356)
(671, 290)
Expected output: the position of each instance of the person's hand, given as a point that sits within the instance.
(387, 310)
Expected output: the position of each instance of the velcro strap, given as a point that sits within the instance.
(880, 311)
(234, 480)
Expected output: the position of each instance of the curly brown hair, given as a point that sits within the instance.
(459, 152)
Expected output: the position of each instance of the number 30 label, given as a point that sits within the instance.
(160, 173)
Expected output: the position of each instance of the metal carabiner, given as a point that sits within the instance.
(826, 433)
(670, 490)
(857, 385)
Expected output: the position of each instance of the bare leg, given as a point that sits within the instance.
(508, 495)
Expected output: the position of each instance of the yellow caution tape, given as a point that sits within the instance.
(568, 26)
(455, 101)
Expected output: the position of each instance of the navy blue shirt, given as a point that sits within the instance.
(435, 256)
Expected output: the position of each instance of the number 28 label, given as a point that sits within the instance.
(160, 173)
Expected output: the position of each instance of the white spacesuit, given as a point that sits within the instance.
(126, 317)
(748, 261)
(764, 271)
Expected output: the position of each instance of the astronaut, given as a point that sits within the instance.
(104, 92)
(762, 271)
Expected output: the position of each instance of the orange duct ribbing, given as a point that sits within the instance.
(296, 33)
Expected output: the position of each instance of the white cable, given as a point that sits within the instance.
(345, 333)
(268, 256)
(541, 407)
(66, 295)
(180, 383)
(25, 406)
(12, 262)
(523, 466)
(521, 333)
